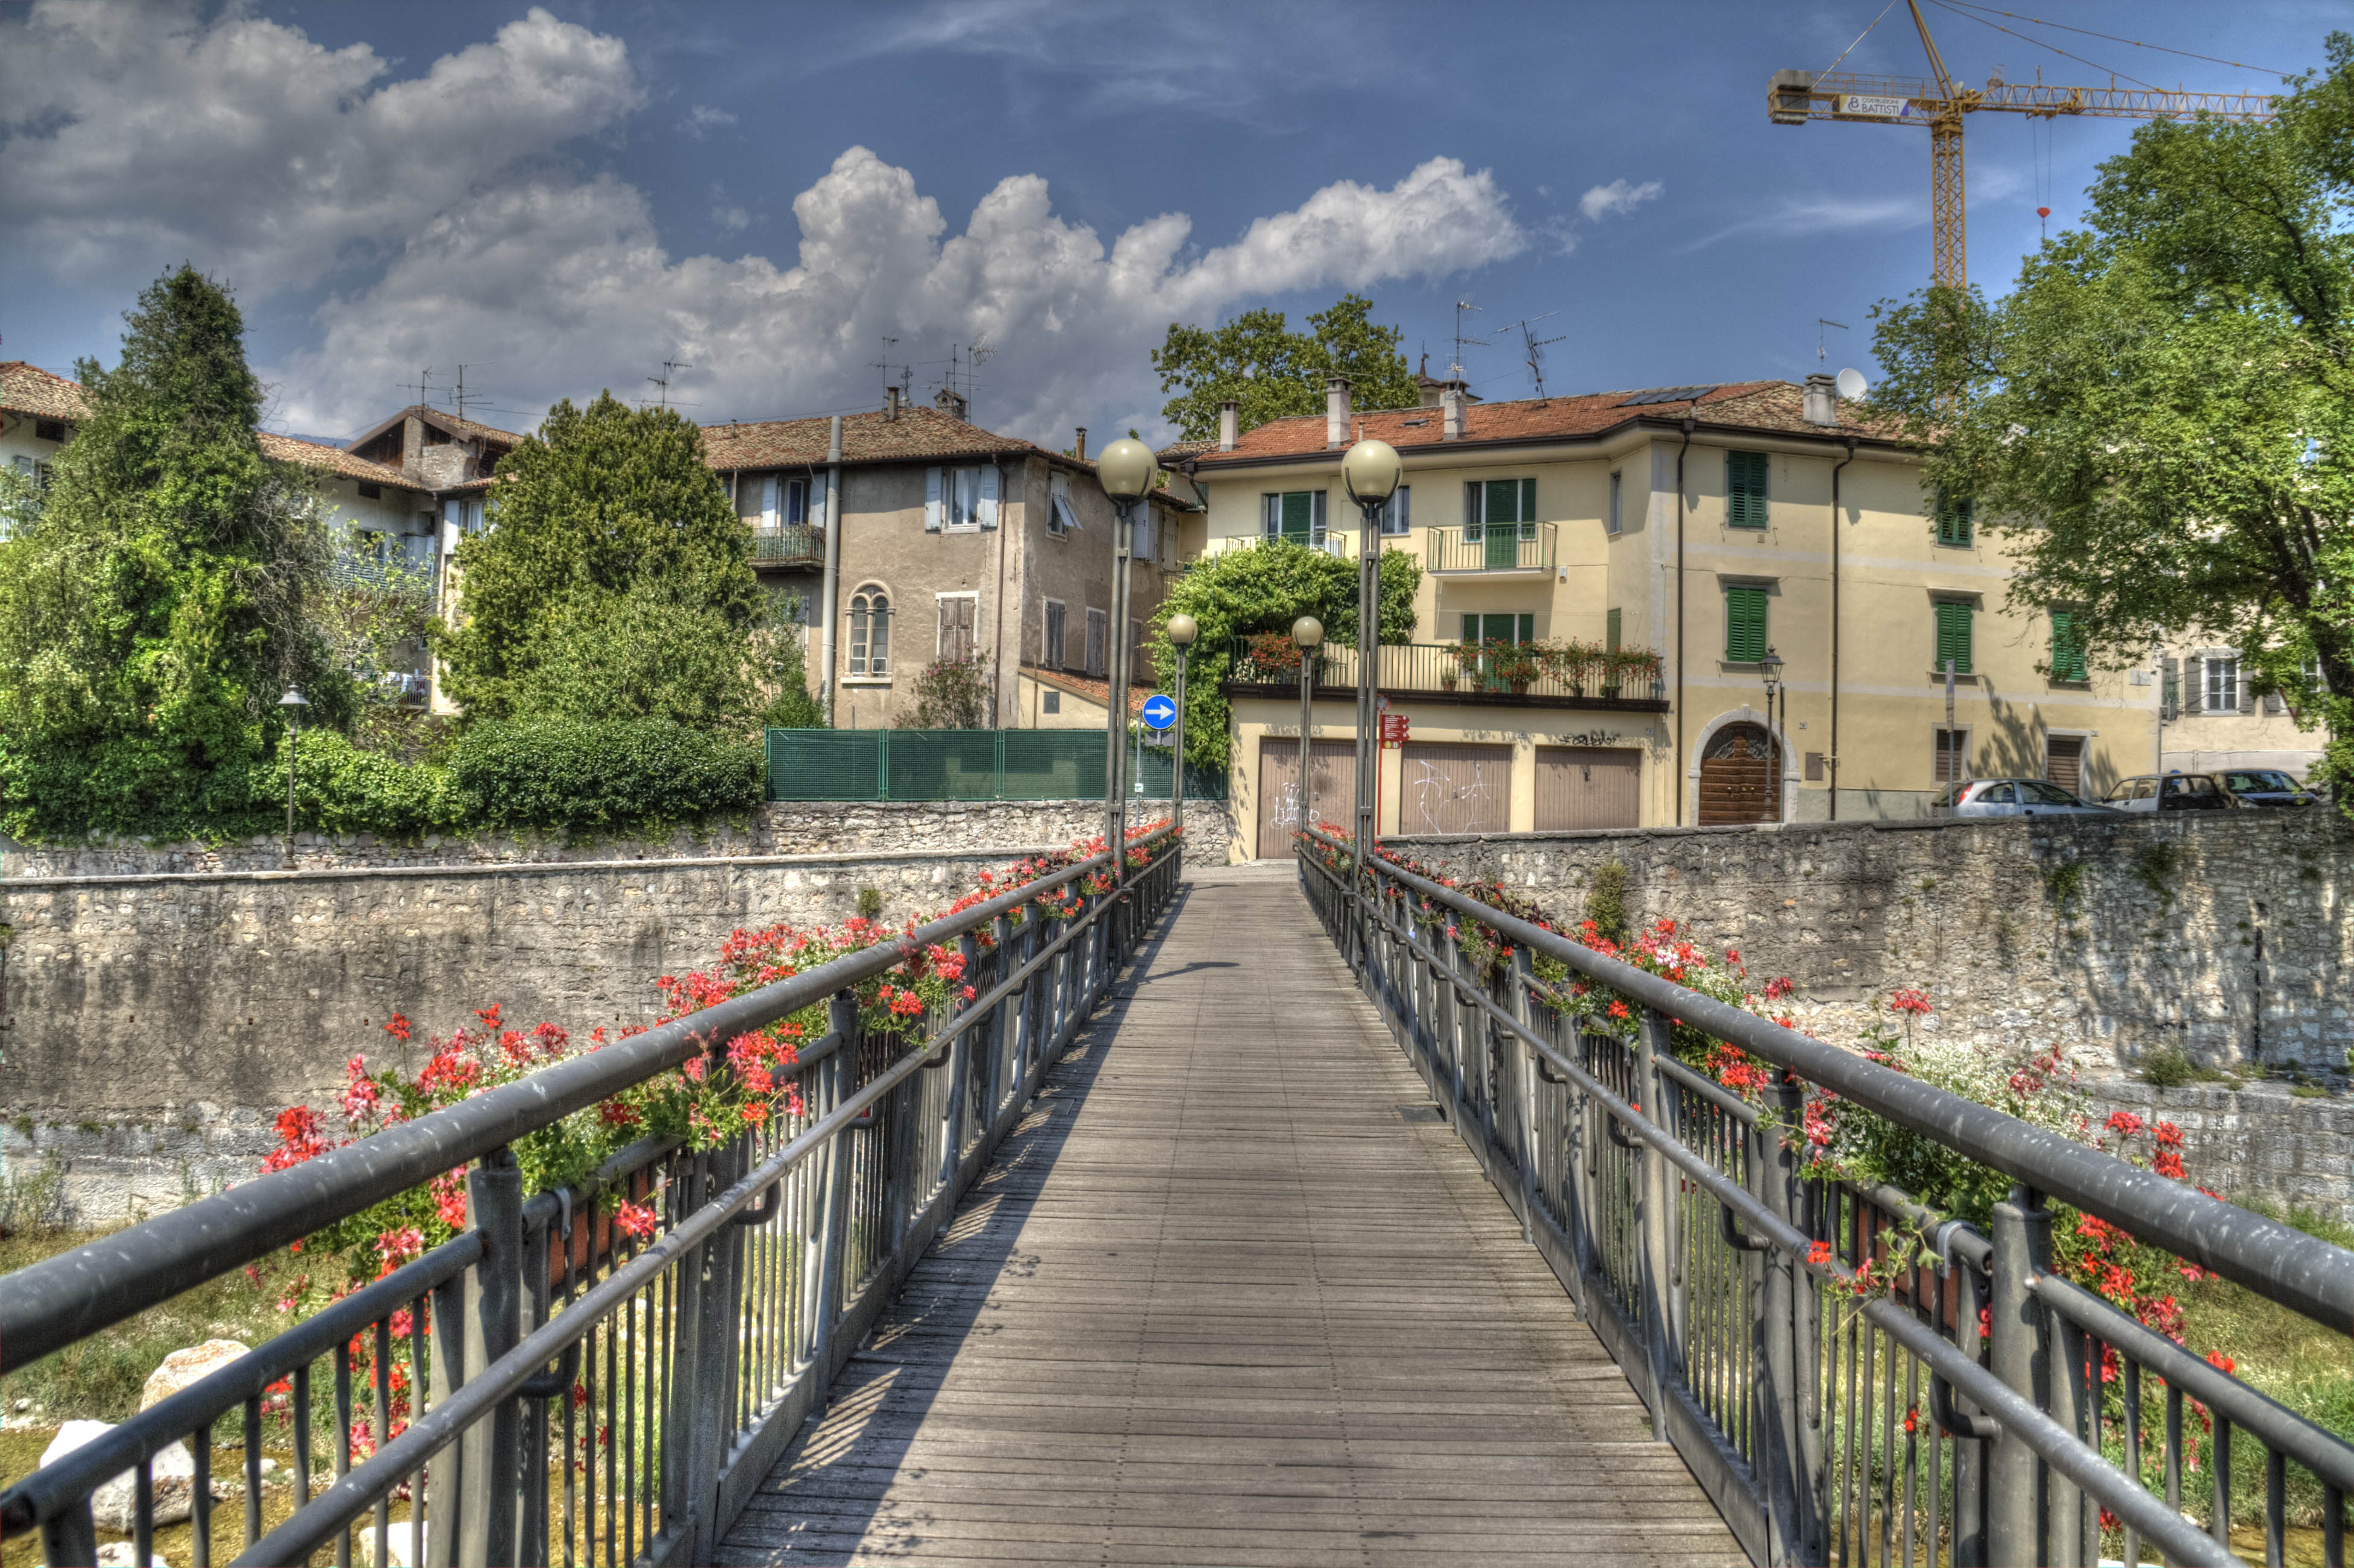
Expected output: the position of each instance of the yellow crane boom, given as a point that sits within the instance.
(1796, 97)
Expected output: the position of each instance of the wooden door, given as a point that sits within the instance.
(956, 626)
(1455, 789)
(1740, 778)
(1333, 801)
(1587, 787)
(2063, 761)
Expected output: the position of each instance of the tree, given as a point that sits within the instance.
(2160, 420)
(1237, 593)
(159, 601)
(781, 666)
(1257, 360)
(614, 579)
(954, 694)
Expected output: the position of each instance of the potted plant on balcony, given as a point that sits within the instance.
(1570, 661)
(1272, 657)
(1626, 665)
(1517, 664)
(1468, 661)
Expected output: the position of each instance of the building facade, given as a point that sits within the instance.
(2217, 719)
(1706, 527)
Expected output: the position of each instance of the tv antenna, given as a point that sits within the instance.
(1820, 323)
(884, 364)
(462, 392)
(1455, 367)
(423, 385)
(671, 368)
(1534, 347)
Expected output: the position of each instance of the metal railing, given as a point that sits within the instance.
(1510, 674)
(1829, 1425)
(1491, 547)
(794, 544)
(680, 1363)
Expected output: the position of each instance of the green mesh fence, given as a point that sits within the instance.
(963, 765)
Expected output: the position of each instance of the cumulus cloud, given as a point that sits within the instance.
(1601, 201)
(448, 220)
(137, 135)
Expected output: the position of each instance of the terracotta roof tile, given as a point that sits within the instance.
(1094, 691)
(919, 434)
(331, 459)
(1774, 407)
(28, 389)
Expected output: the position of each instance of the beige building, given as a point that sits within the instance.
(1702, 526)
(955, 542)
(2215, 718)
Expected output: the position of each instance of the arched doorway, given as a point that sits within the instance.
(1740, 778)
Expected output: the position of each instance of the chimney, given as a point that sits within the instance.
(1822, 400)
(1336, 411)
(890, 404)
(1079, 450)
(1230, 421)
(951, 403)
(1450, 402)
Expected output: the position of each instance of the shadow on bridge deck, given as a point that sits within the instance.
(1218, 1302)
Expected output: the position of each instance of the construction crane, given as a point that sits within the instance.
(1798, 96)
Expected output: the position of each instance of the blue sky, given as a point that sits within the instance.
(562, 198)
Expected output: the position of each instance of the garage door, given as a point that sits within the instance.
(1587, 787)
(1335, 797)
(1453, 789)
(2063, 761)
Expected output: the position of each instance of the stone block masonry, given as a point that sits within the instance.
(157, 1014)
(2225, 936)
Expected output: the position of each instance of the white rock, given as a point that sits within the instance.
(396, 1545)
(182, 1368)
(173, 1471)
(122, 1554)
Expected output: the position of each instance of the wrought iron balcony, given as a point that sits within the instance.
(1496, 549)
(1527, 674)
(797, 546)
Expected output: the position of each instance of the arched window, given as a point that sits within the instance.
(870, 632)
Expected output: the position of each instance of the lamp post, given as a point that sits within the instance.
(1309, 633)
(1126, 470)
(1183, 630)
(1370, 473)
(1770, 667)
(291, 705)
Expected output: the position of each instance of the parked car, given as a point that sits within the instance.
(2014, 798)
(2265, 786)
(2167, 792)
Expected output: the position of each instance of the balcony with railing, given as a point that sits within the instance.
(798, 545)
(1496, 549)
(1558, 674)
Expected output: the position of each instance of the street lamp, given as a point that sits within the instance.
(1126, 471)
(1770, 667)
(1370, 473)
(1183, 630)
(1309, 633)
(291, 705)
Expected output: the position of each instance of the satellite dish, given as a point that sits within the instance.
(1850, 383)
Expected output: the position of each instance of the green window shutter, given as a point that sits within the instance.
(1954, 636)
(1954, 518)
(1744, 624)
(1470, 628)
(2067, 647)
(1298, 516)
(1527, 509)
(1745, 490)
(1526, 627)
(1610, 630)
(1503, 500)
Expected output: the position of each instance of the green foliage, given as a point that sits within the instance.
(159, 602)
(1235, 593)
(625, 773)
(869, 904)
(2155, 864)
(2160, 418)
(2167, 1067)
(1605, 901)
(953, 694)
(2065, 884)
(340, 788)
(1271, 371)
(781, 668)
(615, 579)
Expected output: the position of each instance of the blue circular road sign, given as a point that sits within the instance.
(1159, 712)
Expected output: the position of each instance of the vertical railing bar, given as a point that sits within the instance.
(2219, 1525)
(142, 1512)
(2132, 1373)
(381, 1377)
(343, 1450)
(200, 1495)
(2275, 1507)
(252, 1468)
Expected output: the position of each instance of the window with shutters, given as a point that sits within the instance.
(1145, 525)
(1397, 512)
(1954, 515)
(1060, 518)
(1297, 516)
(1050, 649)
(1954, 634)
(1610, 630)
(870, 633)
(1506, 628)
(1495, 502)
(1950, 755)
(959, 500)
(2221, 692)
(1744, 623)
(1615, 522)
(1098, 653)
(1745, 490)
(958, 613)
(2067, 647)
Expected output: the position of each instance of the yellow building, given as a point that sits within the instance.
(1705, 526)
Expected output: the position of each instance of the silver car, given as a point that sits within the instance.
(2014, 798)
(2169, 793)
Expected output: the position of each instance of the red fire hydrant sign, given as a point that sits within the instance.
(1394, 729)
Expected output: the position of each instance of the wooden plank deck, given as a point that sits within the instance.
(1218, 1302)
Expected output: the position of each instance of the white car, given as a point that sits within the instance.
(2169, 793)
(2013, 798)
